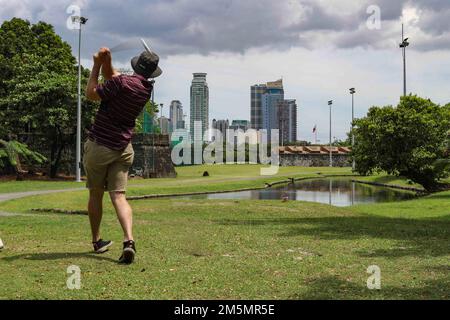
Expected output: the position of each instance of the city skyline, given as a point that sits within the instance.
(320, 48)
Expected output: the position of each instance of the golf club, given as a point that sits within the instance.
(129, 45)
(146, 46)
(124, 46)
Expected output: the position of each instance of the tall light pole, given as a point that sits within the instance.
(161, 117)
(330, 103)
(403, 46)
(81, 21)
(352, 92)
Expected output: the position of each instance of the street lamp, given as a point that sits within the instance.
(161, 117)
(162, 106)
(352, 92)
(403, 46)
(81, 21)
(330, 103)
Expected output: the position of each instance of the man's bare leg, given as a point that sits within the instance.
(124, 213)
(95, 209)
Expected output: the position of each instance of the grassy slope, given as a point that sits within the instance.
(393, 180)
(23, 186)
(190, 179)
(232, 249)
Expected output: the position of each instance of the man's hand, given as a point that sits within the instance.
(102, 56)
(106, 54)
(98, 59)
(107, 68)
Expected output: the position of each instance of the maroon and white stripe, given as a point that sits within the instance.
(123, 99)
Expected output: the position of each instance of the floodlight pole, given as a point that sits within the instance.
(330, 103)
(404, 67)
(161, 117)
(352, 92)
(403, 46)
(81, 21)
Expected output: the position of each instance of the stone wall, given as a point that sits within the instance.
(152, 157)
(314, 160)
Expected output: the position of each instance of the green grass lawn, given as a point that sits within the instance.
(394, 180)
(190, 179)
(390, 180)
(36, 185)
(225, 249)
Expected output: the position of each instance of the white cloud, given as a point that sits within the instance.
(320, 47)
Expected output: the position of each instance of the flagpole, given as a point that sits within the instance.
(315, 134)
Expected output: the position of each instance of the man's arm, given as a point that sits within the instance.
(91, 93)
(108, 71)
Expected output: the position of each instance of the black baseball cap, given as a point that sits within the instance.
(146, 65)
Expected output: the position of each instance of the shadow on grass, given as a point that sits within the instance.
(58, 256)
(331, 287)
(439, 196)
(421, 238)
(390, 179)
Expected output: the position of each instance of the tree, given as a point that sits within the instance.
(342, 143)
(406, 140)
(38, 87)
(152, 110)
(13, 152)
(444, 164)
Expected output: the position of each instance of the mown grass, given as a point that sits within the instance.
(190, 179)
(391, 180)
(384, 178)
(36, 185)
(206, 249)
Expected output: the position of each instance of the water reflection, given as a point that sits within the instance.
(339, 192)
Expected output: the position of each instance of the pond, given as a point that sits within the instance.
(340, 192)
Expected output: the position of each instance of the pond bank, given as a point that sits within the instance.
(268, 185)
(393, 186)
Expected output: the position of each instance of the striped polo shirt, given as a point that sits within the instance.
(123, 99)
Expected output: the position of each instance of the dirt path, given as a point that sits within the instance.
(12, 196)
(18, 195)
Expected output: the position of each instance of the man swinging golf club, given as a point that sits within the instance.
(108, 153)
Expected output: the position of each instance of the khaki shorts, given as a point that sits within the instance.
(107, 169)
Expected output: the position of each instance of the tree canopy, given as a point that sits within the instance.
(38, 86)
(406, 140)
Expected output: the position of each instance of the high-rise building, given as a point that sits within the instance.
(256, 93)
(176, 116)
(269, 106)
(164, 124)
(264, 101)
(243, 125)
(221, 125)
(199, 106)
(269, 110)
(287, 121)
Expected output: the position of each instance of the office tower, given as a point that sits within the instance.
(221, 125)
(287, 121)
(243, 125)
(164, 124)
(256, 93)
(264, 101)
(176, 116)
(199, 106)
(269, 106)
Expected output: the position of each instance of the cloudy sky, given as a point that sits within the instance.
(320, 48)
